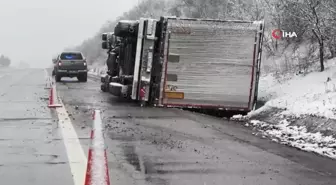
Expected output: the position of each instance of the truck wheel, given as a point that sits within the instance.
(58, 78)
(103, 88)
(126, 29)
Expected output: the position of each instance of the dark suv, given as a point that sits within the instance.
(71, 64)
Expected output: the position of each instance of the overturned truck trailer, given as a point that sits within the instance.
(187, 63)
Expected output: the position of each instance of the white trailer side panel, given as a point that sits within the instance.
(215, 63)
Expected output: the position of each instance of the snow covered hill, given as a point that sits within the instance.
(313, 94)
(300, 112)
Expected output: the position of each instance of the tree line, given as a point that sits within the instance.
(312, 20)
(4, 61)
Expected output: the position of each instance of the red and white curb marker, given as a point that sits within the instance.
(97, 168)
(53, 97)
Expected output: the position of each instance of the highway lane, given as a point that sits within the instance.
(31, 149)
(169, 146)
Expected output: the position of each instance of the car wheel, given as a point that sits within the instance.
(58, 78)
(84, 78)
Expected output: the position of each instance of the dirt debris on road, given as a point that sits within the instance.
(170, 146)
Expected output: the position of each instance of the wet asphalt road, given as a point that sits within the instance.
(145, 145)
(168, 146)
(31, 149)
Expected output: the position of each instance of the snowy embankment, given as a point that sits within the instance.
(299, 112)
(296, 136)
(97, 70)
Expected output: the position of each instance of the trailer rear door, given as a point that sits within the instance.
(210, 63)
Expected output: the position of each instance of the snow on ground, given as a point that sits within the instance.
(97, 70)
(300, 112)
(312, 94)
(296, 136)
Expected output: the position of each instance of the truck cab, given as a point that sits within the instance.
(130, 47)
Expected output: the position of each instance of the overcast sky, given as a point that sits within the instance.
(34, 30)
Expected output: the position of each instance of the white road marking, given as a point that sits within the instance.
(74, 150)
(76, 155)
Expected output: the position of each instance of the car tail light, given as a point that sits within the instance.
(84, 63)
(59, 63)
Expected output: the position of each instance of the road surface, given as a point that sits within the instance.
(169, 146)
(146, 146)
(31, 149)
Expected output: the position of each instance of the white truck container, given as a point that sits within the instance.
(194, 63)
(218, 63)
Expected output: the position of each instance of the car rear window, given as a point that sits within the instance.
(71, 56)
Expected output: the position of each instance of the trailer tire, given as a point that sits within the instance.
(126, 29)
(103, 88)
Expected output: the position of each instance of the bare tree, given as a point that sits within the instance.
(318, 26)
(330, 7)
(311, 19)
(309, 15)
(4, 61)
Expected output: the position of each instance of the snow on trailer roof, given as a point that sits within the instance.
(214, 20)
(128, 21)
(259, 22)
(217, 24)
